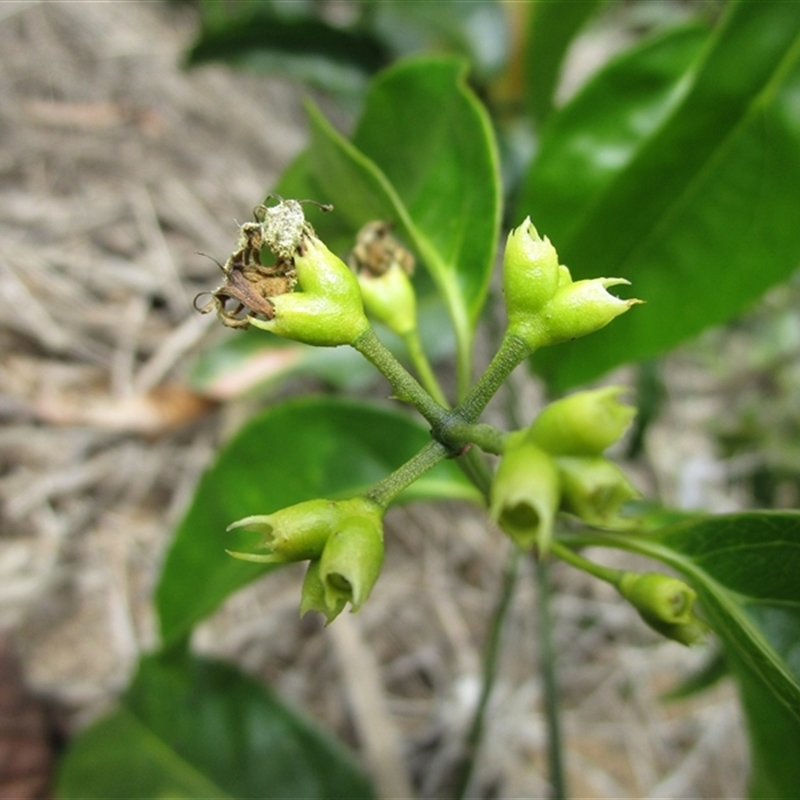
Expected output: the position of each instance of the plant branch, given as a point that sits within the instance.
(387, 489)
(475, 733)
(404, 385)
(547, 661)
(423, 367)
(511, 353)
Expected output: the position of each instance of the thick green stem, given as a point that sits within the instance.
(423, 367)
(387, 489)
(475, 733)
(512, 352)
(547, 661)
(405, 387)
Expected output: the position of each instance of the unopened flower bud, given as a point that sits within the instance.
(594, 489)
(530, 272)
(577, 308)
(351, 561)
(584, 423)
(390, 299)
(328, 310)
(312, 596)
(665, 603)
(525, 493)
(300, 531)
(291, 534)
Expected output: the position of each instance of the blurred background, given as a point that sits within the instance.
(119, 169)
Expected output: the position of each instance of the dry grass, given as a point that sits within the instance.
(115, 168)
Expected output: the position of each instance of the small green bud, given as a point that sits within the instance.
(665, 603)
(328, 310)
(352, 559)
(312, 596)
(300, 531)
(594, 489)
(530, 272)
(577, 309)
(390, 298)
(525, 493)
(291, 534)
(584, 423)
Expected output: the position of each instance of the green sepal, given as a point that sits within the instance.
(312, 596)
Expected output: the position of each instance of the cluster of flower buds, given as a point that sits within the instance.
(341, 539)
(557, 464)
(545, 306)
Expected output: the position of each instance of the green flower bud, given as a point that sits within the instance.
(352, 559)
(525, 493)
(584, 423)
(594, 489)
(312, 596)
(665, 603)
(300, 531)
(390, 298)
(530, 273)
(576, 309)
(328, 310)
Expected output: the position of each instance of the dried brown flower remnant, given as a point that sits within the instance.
(249, 284)
(377, 250)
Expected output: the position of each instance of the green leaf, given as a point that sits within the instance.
(477, 30)
(745, 570)
(551, 28)
(424, 157)
(774, 734)
(302, 449)
(195, 728)
(299, 45)
(700, 212)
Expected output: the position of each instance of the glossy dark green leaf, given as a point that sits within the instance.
(193, 728)
(745, 570)
(300, 45)
(302, 449)
(476, 30)
(699, 212)
(423, 156)
(774, 734)
(551, 29)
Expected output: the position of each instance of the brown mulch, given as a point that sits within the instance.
(116, 169)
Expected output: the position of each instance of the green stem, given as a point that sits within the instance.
(477, 470)
(423, 367)
(512, 352)
(475, 733)
(405, 387)
(547, 661)
(612, 576)
(387, 489)
(487, 437)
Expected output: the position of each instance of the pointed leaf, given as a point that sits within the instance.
(745, 570)
(423, 156)
(302, 449)
(701, 215)
(198, 728)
